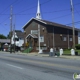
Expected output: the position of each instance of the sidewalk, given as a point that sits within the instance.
(45, 55)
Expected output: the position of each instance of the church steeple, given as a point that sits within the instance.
(38, 15)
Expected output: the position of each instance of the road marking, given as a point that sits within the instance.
(14, 66)
(44, 63)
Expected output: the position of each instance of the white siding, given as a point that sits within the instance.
(18, 43)
(21, 42)
(12, 39)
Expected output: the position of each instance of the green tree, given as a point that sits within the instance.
(8, 36)
(2, 36)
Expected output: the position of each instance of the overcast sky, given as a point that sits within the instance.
(58, 11)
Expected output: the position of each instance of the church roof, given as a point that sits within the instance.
(32, 35)
(49, 23)
(58, 25)
(31, 20)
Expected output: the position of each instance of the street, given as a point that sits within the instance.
(22, 67)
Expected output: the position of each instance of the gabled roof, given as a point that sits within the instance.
(58, 25)
(49, 23)
(33, 19)
(19, 33)
(32, 35)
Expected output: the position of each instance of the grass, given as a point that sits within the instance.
(28, 50)
(68, 52)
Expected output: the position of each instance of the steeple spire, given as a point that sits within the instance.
(38, 15)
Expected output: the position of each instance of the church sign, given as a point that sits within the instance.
(34, 31)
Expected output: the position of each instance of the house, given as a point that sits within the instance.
(4, 43)
(19, 38)
(52, 35)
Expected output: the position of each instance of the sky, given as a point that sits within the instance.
(58, 11)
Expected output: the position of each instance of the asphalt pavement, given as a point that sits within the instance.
(34, 66)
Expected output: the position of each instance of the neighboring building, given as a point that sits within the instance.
(19, 38)
(4, 43)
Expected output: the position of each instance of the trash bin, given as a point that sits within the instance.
(58, 54)
(50, 53)
(76, 53)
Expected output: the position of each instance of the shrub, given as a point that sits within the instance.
(77, 46)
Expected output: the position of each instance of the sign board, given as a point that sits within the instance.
(34, 31)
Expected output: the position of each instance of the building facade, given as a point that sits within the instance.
(52, 35)
(19, 38)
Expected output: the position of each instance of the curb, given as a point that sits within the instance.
(45, 55)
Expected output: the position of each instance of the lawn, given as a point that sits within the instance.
(68, 52)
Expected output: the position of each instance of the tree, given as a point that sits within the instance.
(2, 36)
(8, 36)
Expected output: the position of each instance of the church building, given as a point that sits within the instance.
(43, 34)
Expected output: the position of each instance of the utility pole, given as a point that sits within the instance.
(38, 16)
(39, 36)
(14, 31)
(11, 30)
(72, 10)
(53, 39)
(14, 38)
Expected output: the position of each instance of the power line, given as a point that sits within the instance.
(3, 27)
(34, 13)
(61, 16)
(8, 6)
(77, 12)
(45, 2)
(5, 20)
(27, 9)
(74, 22)
(77, 4)
(64, 15)
(34, 6)
(58, 11)
(45, 12)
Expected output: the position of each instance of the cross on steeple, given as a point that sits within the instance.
(38, 15)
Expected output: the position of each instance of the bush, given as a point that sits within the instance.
(77, 46)
(67, 49)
